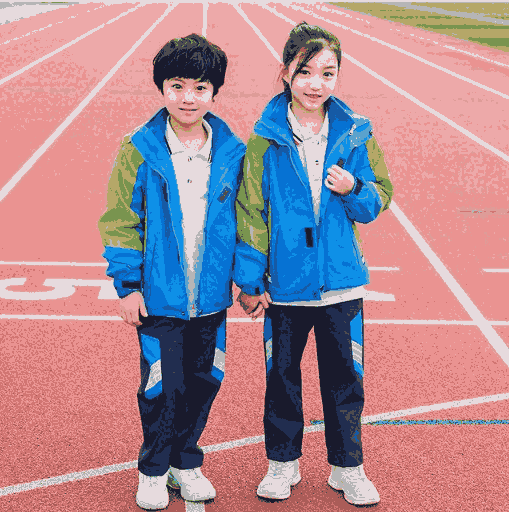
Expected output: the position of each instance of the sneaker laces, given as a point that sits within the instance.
(355, 474)
(193, 474)
(276, 468)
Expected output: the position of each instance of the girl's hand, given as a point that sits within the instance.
(254, 305)
(131, 306)
(339, 180)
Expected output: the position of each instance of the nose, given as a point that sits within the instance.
(316, 82)
(189, 96)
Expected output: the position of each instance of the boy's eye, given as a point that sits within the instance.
(176, 86)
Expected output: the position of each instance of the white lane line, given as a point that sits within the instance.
(70, 477)
(54, 136)
(419, 322)
(53, 263)
(391, 46)
(257, 32)
(475, 314)
(205, 13)
(105, 470)
(413, 99)
(476, 55)
(80, 264)
(195, 506)
(436, 407)
(374, 321)
(44, 28)
(499, 270)
(407, 95)
(84, 318)
(64, 47)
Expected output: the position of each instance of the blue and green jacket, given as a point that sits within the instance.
(142, 226)
(281, 249)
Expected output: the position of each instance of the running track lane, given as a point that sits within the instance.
(35, 37)
(36, 102)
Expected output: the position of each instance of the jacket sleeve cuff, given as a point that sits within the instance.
(124, 266)
(250, 267)
(125, 288)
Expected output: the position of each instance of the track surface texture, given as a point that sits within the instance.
(73, 81)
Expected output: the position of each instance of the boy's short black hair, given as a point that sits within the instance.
(190, 57)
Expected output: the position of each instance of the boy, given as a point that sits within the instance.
(169, 234)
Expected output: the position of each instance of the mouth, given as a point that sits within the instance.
(188, 109)
(313, 96)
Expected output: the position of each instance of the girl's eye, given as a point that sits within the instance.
(304, 72)
(328, 74)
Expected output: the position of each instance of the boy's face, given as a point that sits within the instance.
(187, 99)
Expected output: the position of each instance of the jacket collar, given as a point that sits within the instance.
(273, 124)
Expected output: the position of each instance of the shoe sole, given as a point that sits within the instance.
(175, 485)
(281, 497)
(150, 506)
(337, 487)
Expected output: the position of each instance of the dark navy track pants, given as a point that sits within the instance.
(182, 366)
(339, 343)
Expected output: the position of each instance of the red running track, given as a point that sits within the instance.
(70, 384)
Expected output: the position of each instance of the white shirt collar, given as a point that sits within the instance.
(177, 147)
(305, 133)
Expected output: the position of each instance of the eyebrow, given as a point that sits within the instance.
(182, 80)
(327, 67)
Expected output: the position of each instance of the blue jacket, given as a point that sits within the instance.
(142, 226)
(281, 249)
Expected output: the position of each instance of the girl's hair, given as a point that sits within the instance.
(190, 57)
(304, 42)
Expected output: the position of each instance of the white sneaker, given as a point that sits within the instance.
(277, 483)
(152, 493)
(192, 484)
(354, 483)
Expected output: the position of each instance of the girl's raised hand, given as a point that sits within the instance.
(339, 180)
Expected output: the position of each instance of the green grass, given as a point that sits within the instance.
(481, 32)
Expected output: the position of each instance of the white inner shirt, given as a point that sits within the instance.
(312, 154)
(192, 170)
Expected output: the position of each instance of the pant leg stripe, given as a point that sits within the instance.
(151, 349)
(267, 337)
(356, 335)
(155, 381)
(219, 365)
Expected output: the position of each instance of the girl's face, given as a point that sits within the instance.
(315, 82)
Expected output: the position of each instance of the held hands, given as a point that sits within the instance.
(254, 305)
(339, 180)
(131, 306)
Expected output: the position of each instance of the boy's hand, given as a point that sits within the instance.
(254, 305)
(131, 306)
(339, 180)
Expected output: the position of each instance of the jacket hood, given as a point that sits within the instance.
(273, 123)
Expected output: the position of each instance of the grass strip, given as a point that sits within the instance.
(477, 31)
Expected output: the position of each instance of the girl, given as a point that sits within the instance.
(299, 251)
